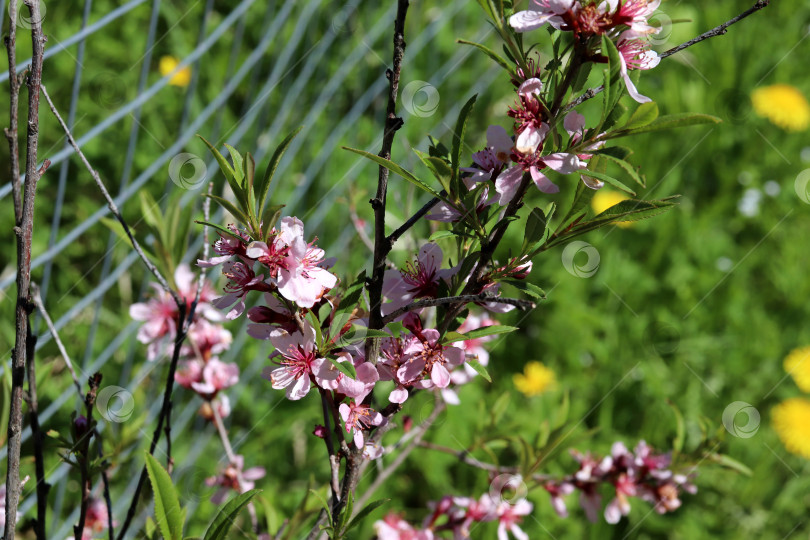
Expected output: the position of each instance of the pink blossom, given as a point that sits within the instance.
(394, 527)
(419, 279)
(635, 54)
(634, 13)
(299, 363)
(241, 280)
(357, 418)
(509, 516)
(216, 376)
(426, 356)
(557, 492)
(303, 280)
(206, 339)
(189, 372)
(229, 479)
(270, 317)
(227, 247)
(544, 11)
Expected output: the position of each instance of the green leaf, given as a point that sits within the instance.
(238, 171)
(270, 216)
(117, 229)
(230, 208)
(151, 211)
(344, 367)
(439, 167)
(607, 179)
(394, 168)
(312, 318)
(220, 228)
(489, 331)
(489, 52)
(481, 370)
(168, 514)
(527, 287)
(227, 170)
(535, 228)
(626, 167)
(441, 235)
(218, 530)
(263, 186)
(361, 515)
(668, 122)
(453, 337)
(731, 463)
(458, 142)
(643, 115)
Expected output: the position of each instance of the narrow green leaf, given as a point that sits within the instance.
(168, 514)
(643, 115)
(731, 463)
(218, 530)
(353, 293)
(481, 370)
(535, 228)
(489, 331)
(439, 167)
(668, 122)
(227, 170)
(628, 168)
(607, 179)
(238, 171)
(441, 235)
(230, 208)
(221, 229)
(454, 337)
(489, 52)
(361, 515)
(116, 228)
(270, 217)
(394, 168)
(263, 186)
(458, 141)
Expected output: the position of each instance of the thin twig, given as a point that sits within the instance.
(35, 296)
(112, 206)
(464, 299)
(83, 456)
(226, 444)
(394, 236)
(14, 95)
(714, 32)
(401, 456)
(24, 218)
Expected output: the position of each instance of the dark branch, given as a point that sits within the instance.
(24, 218)
(464, 299)
(716, 31)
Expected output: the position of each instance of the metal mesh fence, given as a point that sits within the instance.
(273, 51)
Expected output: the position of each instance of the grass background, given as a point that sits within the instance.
(697, 307)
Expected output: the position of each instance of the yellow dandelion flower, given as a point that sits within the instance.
(535, 379)
(169, 64)
(606, 198)
(783, 105)
(797, 364)
(791, 420)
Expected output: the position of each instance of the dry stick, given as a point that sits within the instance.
(401, 456)
(226, 444)
(36, 433)
(23, 230)
(83, 456)
(35, 296)
(714, 32)
(112, 206)
(37, 299)
(464, 299)
(14, 94)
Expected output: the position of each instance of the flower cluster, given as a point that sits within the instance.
(640, 474)
(199, 368)
(459, 515)
(626, 22)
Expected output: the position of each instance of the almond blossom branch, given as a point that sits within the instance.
(463, 299)
(111, 204)
(36, 434)
(714, 32)
(23, 230)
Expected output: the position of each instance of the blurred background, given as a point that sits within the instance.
(691, 311)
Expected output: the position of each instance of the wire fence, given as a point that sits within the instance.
(260, 86)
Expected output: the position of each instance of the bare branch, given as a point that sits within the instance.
(112, 206)
(24, 207)
(463, 299)
(716, 31)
